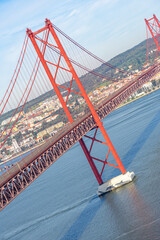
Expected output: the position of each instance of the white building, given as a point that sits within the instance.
(147, 85)
(16, 146)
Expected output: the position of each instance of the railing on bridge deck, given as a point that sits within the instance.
(22, 174)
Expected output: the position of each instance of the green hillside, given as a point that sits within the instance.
(134, 57)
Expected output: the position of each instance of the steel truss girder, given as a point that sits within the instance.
(52, 79)
(17, 178)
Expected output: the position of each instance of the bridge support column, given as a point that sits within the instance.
(90, 160)
(96, 118)
(154, 27)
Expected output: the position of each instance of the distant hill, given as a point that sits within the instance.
(129, 60)
(135, 56)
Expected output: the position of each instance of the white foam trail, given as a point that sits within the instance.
(37, 221)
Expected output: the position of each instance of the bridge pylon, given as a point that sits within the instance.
(154, 27)
(49, 29)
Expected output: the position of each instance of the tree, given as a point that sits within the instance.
(6, 151)
(154, 84)
(9, 141)
(34, 134)
(139, 90)
(26, 132)
(19, 137)
(77, 103)
(46, 136)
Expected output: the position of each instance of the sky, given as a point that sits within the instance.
(105, 27)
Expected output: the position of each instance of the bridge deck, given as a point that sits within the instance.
(23, 173)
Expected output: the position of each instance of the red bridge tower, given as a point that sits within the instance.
(125, 176)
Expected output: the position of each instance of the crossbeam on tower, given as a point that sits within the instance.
(23, 173)
(154, 27)
(62, 53)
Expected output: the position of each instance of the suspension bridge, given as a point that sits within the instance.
(53, 63)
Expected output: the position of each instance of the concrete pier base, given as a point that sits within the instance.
(115, 183)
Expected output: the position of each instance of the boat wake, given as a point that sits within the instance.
(35, 222)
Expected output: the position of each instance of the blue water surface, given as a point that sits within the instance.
(62, 203)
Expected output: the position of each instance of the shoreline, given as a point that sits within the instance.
(143, 95)
(123, 104)
(20, 154)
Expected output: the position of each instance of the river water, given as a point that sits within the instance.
(62, 203)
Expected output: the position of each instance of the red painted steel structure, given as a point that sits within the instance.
(49, 27)
(25, 172)
(154, 28)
